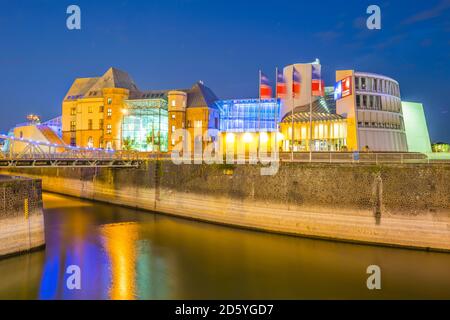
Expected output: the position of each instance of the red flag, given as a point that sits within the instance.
(265, 89)
(281, 85)
(317, 84)
(296, 83)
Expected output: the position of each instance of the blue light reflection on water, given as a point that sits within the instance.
(129, 254)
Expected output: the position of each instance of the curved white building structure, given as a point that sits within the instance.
(374, 112)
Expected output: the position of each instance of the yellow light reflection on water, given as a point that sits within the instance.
(119, 242)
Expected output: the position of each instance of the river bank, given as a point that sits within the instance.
(21, 215)
(392, 205)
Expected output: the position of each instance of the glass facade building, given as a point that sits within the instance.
(249, 115)
(145, 125)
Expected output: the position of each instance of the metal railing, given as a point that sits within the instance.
(28, 153)
(360, 157)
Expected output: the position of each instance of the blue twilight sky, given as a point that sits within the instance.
(171, 44)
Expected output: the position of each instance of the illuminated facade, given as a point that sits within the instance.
(363, 112)
(110, 112)
(194, 110)
(145, 125)
(92, 110)
(249, 115)
(373, 111)
(250, 124)
(329, 130)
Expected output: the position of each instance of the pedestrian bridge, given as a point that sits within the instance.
(25, 153)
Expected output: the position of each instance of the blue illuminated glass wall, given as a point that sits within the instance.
(249, 115)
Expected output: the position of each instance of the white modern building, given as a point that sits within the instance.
(373, 108)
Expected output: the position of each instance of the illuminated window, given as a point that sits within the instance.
(90, 143)
(173, 116)
(109, 129)
(198, 123)
(173, 129)
(73, 125)
(73, 111)
(109, 113)
(174, 103)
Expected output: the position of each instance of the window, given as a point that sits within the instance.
(363, 83)
(109, 129)
(198, 123)
(73, 142)
(90, 124)
(73, 125)
(358, 101)
(90, 109)
(90, 143)
(101, 109)
(73, 111)
(109, 113)
(100, 124)
(109, 101)
(174, 103)
(173, 129)
(173, 116)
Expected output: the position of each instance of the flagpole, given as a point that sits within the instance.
(310, 117)
(259, 109)
(292, 115)
(310, 126)
(273, 152)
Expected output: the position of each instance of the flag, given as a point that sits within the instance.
(317, 84)
(281, 85)
(265, 89)
(296, 83)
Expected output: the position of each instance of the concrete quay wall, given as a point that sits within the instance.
(395, 205)
(21, 215)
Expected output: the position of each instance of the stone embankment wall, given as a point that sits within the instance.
(398, 205)
(21, 215)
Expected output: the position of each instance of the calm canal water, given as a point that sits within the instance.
(129, 254)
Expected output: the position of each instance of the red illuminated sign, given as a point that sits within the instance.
(346, 87)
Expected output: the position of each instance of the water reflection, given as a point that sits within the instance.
(128, 254)
(120, 242)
